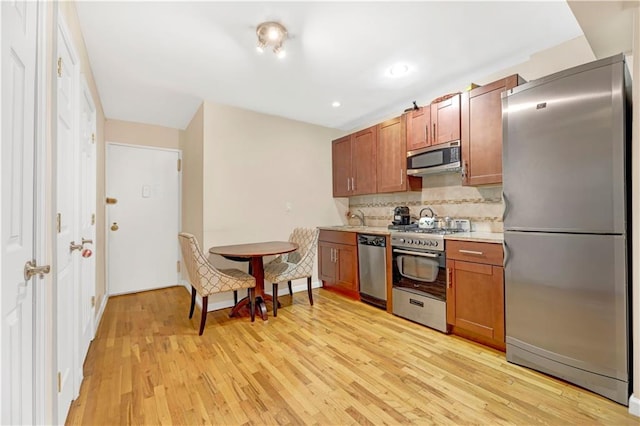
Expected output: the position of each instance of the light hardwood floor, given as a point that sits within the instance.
(338, 362)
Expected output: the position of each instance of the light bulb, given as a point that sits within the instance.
(281, 53)
(274, 34)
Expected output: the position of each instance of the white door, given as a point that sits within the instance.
(87, 220)
(67, 227)
(17, 93)
(143, 224)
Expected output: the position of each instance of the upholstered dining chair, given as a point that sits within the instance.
(294, 265)
(206, 280)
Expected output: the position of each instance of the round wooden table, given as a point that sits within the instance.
(254, 252)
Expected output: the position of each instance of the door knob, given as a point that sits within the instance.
(31, 269)
(115, 226)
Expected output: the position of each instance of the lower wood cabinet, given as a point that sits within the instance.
(475, 291)
(338, 262)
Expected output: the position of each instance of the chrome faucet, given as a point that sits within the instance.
(359, 216)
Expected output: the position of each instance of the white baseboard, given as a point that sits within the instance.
(634, 405)
(103, 305)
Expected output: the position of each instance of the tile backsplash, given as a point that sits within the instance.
(445, 195)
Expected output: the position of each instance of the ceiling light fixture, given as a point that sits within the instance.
(271, 34)
(398, 70)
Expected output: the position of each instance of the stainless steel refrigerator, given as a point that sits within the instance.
(566, 183)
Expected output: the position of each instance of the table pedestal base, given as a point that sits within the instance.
(261, 306)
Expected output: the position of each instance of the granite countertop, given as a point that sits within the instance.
(377, 230)
(485, 237)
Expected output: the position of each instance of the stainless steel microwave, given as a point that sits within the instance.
(434, 159)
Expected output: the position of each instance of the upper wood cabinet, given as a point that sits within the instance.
(481, 132)
(341, 165)
(363, 161)
(445, 120)
(392, 158)
(354, 163)
(418, 128)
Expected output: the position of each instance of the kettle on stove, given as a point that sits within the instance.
(401, 216)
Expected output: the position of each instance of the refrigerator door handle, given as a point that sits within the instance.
(506, 206)
(505, 260)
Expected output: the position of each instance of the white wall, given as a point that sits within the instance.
(263, 176)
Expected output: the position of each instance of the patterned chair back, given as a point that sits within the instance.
(307, 240)
(203, 276)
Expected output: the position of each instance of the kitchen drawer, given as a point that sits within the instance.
(339, 237)
(469, 251)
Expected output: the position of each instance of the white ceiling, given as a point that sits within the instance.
(155, 62)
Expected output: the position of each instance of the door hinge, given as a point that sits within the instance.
(59, 67)
(59, 382)
(93, 301)
(179, 165)
(93, 137)
(58, 222)
(178, 266)
(93, 218)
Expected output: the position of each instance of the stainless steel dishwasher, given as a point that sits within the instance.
(372, 266)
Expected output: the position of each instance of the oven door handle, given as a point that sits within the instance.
(416, 253)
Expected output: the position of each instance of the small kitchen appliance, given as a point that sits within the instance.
(401, 216)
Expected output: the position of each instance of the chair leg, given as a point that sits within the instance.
(235, 297)
(252, 304)
(290, 291)
(275, 299)
(193, 301)
(203, 321)
(309, 291)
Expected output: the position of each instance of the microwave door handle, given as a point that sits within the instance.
(414, 253)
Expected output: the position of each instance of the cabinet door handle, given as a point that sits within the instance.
(464, 171)
(426, 133)
(353, 184)
(449, 278)
(348, 188)
(433, 135)
(478, 253)
(401, 176)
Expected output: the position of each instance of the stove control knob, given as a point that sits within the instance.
(408, 241)
(423, 242)
(402, 240)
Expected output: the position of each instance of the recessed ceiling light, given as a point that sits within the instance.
(335, 104)
(398, 70)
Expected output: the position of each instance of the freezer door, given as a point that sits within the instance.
(566, 299)
(563, 154)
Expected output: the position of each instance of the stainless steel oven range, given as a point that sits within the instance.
(420, 274)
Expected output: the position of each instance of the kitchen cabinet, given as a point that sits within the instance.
(481, 132)
(338, 262)
(475, 291)
(418, 125)
(445, 120)
(354, 163)
(391, 172)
